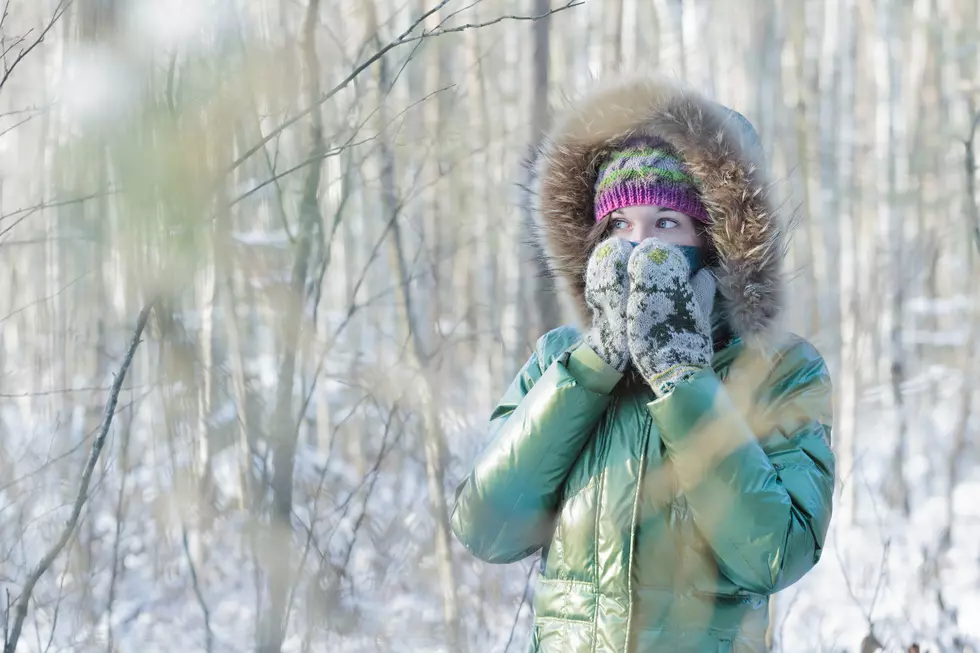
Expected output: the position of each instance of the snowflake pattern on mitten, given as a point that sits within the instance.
(606, 293)
(668, 332)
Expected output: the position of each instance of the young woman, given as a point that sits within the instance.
(671, 456)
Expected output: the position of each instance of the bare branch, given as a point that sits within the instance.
(45, 299)
(332, 152)
(18, 124)
(58, 12)
(64, 391)
(71, 451)
(450, 30)
(20, 610)
(401, 40)
(517, 615)
(48, 205)
(208, 633)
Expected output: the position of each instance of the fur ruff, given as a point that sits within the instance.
(720, 151)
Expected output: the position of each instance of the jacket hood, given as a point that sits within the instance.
(721, 151)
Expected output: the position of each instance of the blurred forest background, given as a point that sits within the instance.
(283, 244)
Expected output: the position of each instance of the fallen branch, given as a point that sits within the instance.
(20, 610)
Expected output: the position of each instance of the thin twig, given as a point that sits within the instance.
(208, 634)
(6, 50)
(49, 205)
(374, 473)
(6, 12)
(452, 15)
(45, 299)
(63, 391)
(58, 12)
(332, 152)
(451, 30)
(20, 611)
(57, 605)
(517, 615)
(401, 40)
(68, 452)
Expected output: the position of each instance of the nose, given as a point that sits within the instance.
(643, 231)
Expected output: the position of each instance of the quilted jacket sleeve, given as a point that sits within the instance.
(505, 507)
(760, 493)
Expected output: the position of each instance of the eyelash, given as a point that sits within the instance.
(620, 223)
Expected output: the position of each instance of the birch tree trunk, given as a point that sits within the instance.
(414, 333)
(847, 389)
(891, 240)
(487, 298)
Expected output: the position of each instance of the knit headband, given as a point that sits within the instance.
(646, 172)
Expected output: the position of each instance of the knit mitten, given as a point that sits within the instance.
(669, 330)
(606, 290)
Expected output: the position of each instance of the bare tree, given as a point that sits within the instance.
(12, 636)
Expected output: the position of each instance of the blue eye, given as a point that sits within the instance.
(666, 223)
(619, 223)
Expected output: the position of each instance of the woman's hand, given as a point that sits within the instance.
(668, 322)
(606, 292)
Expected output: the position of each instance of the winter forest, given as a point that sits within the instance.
(267, 268)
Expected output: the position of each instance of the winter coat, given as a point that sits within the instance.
(664, 524)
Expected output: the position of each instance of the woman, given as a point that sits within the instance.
(671, 458)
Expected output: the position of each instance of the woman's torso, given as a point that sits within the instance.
(627, 569)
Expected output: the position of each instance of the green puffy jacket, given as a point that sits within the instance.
(664, 524)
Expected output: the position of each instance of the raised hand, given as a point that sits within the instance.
(669, 330)
(606, 292)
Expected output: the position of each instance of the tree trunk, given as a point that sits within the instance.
(487, 300)
(418, 358)
(284, 425)
(627, 33)
(670, 19)
(891, 240)
(970, 355)
(545, 299)
(206, 388)
(805, 78)
(845, 433)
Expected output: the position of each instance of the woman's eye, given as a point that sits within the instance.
(620, 224)
(666, 223)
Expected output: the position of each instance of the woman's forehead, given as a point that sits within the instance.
(645, 211)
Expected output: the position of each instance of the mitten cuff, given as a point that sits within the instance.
(663, 383)
(609, 354)
(591, 371)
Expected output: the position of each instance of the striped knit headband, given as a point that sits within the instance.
(644, 171)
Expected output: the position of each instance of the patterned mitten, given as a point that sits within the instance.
(669, 330)
(606, 290)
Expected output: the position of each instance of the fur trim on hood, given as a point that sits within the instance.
(721, 151)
